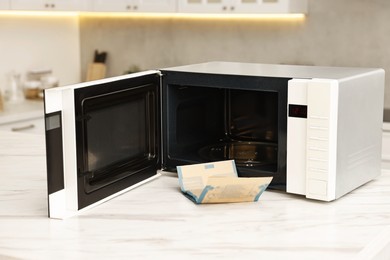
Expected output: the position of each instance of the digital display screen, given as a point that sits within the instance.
(299, 111)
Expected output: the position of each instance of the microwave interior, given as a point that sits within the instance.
(221, 117)
(212, 124)
(126, 130)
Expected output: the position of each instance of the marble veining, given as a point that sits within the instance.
(156, 221)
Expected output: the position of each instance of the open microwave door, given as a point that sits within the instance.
(109, 131)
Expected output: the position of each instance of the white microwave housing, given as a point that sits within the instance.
(331, 150)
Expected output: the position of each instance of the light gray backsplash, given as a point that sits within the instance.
(335, 33)
(31, 42)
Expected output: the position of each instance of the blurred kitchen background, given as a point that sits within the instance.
(333, 33)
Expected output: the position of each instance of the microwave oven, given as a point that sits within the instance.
(315, 130)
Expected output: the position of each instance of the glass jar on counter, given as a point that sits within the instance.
(31, 89)
(14, 92)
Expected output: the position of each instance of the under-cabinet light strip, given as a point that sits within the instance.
(281, 17)
(291, 16)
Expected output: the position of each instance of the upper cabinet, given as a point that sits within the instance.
(49, 5)
(243, 6)
(205, 6)
(162, 6)
(270, 6)
(4, 5)
(158, 6)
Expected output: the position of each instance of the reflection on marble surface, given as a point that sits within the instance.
(155, 221)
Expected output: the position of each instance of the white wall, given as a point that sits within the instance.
(36, 42)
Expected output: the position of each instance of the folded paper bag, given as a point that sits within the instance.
(218, 182)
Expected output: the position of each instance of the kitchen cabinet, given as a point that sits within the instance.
(23, 117)
(162, 6)
(134, 6)
(205, 6)
(48, 5)
(242, 6)
(270, 6)
(31, 126)
(4, 5)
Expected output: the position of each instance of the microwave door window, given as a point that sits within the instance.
(115, 134)
(118, 136)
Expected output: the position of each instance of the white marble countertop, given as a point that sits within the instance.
(155, 221)
(27, 109)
